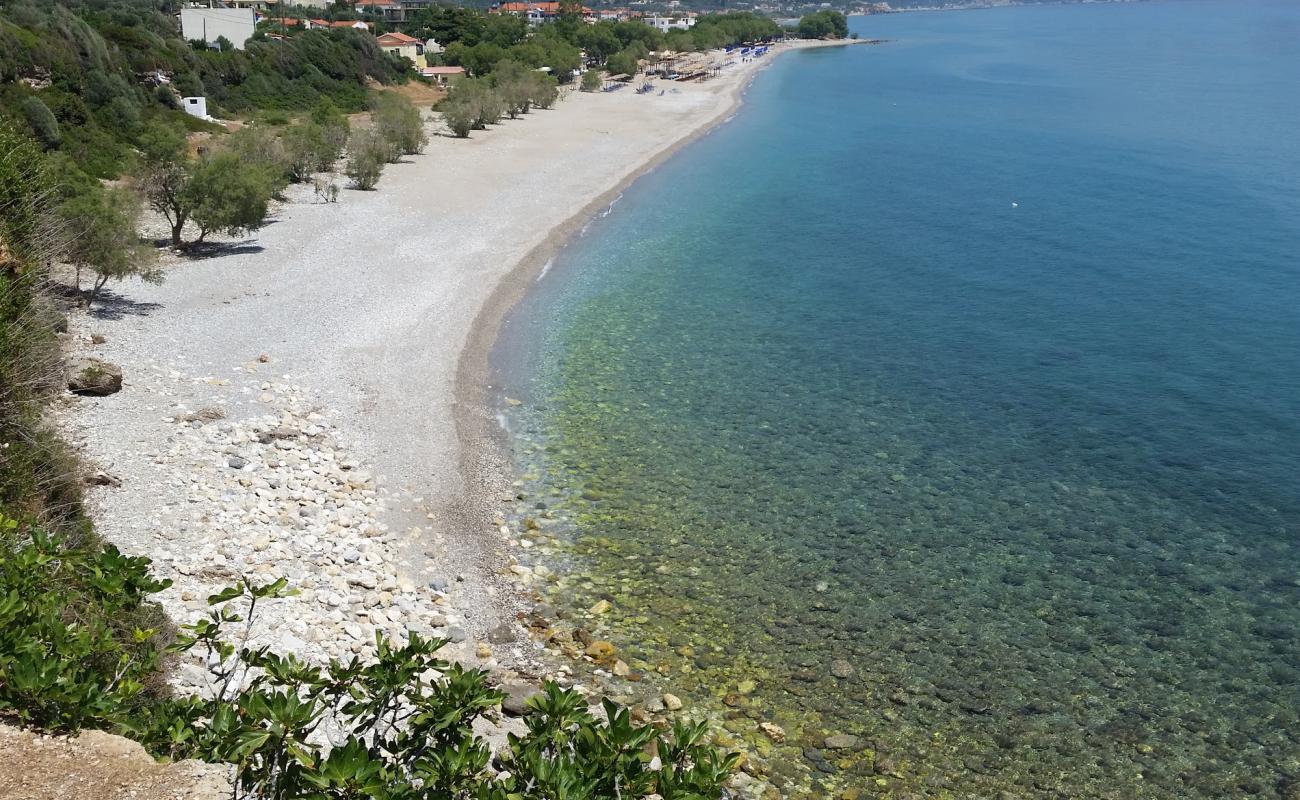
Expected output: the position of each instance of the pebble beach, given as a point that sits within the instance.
(307, 403)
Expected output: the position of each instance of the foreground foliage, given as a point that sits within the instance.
(402, 724)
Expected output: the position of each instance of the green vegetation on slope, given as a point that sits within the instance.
(85, 77)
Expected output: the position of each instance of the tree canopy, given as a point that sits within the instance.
(824, 24)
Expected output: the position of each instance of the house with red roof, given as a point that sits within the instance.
(539, 12)
(405, 46)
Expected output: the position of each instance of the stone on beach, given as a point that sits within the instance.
(93, 377)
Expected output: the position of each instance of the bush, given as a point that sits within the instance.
(545, 90)
(79, 641)
(42, 122)
(399, 125)
(73, 654)
(308, 150)
(513, 84)
(264, 149)
(407, 720)
(367, 154)
(624, 62)
(472, 104)
(591, 81)
(460, 116)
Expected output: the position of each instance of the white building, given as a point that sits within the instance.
(196, 107)
(665, 24)
(207, 24)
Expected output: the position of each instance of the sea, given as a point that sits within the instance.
(933, 425)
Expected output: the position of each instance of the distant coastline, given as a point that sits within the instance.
(977, 5)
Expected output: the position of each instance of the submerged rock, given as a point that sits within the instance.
(600, 650)
(843, 741)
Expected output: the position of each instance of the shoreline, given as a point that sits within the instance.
(485, 460)
(365, 327)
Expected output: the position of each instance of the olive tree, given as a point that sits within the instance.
(513, 83)
(221, 192)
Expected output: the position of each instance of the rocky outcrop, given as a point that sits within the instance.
(94, 378)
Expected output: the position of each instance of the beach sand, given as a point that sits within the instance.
(380, 310)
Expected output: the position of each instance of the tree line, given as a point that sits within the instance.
(824, 24)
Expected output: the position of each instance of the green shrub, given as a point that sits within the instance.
(42, 122)
(824, 24)
(544, 90)
(399, 125)
(513, 84)
(459, 116)
(624, 62)
(591, 81)
(367, 154)
(473, 103)
(408, 718)
(73, 655)
(79, 641)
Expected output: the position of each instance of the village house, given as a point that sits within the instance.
(665, 24)
(319, 24)
(443, 75)
(407, 47)
(393, 10)
(539, 12)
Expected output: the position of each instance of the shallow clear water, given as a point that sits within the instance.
(951, 393)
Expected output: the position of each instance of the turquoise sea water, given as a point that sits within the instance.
(951, 395)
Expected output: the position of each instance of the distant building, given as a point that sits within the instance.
(443, 75)
(255, 5)
(209, 24)
(393, 10)
(665, 24)
(539, 12)
(324, 24)
(274, 23)
(404, 46)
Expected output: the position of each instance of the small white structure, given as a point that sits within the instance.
(208, 24)
(196, 107)
(665, 24)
